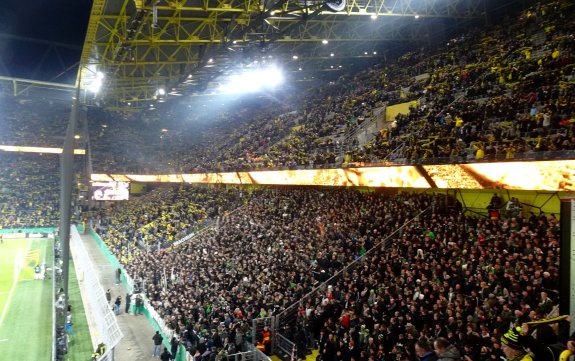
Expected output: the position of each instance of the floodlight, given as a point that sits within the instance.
(161, 91)
(295, 57)
(374, 17)
(324, 41)
(96, 83)
(253, 80)
(336, 5)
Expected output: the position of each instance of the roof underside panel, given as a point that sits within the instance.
(140, 45)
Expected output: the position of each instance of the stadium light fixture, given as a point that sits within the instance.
(253, 80)
(96, 83)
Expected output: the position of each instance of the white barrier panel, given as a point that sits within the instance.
(94, 295)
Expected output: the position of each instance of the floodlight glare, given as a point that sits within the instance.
(96, 84)
(252, 81)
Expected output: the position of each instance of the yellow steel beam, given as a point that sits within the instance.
(95, 14)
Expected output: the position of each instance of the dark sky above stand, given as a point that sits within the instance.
(60, 21)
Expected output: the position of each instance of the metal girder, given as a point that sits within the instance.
(26, 87)
(152, 43)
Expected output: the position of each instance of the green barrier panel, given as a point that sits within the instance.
(181, 354)
(116, 264)
(29, 230)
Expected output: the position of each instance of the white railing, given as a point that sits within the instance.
(94, 297)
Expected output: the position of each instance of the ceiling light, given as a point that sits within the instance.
(295, 57)
(417, 16)
(374, 17)
(161, 91)
(324, 41)
(332, 54)
(375, 53)
(210, 60)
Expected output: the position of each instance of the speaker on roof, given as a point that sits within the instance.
(335, 5)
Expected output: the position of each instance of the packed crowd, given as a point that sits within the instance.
(162, 217)
(29, 190)
(443, 275)
(33, 122)
(503, 92)
(492, 95)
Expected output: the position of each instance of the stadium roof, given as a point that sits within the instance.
(135, 47)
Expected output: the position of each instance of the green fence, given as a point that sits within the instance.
(28, 230)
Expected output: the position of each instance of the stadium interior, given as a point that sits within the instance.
(346, 180)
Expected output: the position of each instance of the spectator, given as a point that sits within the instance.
(157, 338)
(446, 351)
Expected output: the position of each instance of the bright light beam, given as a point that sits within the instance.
(252, 81)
